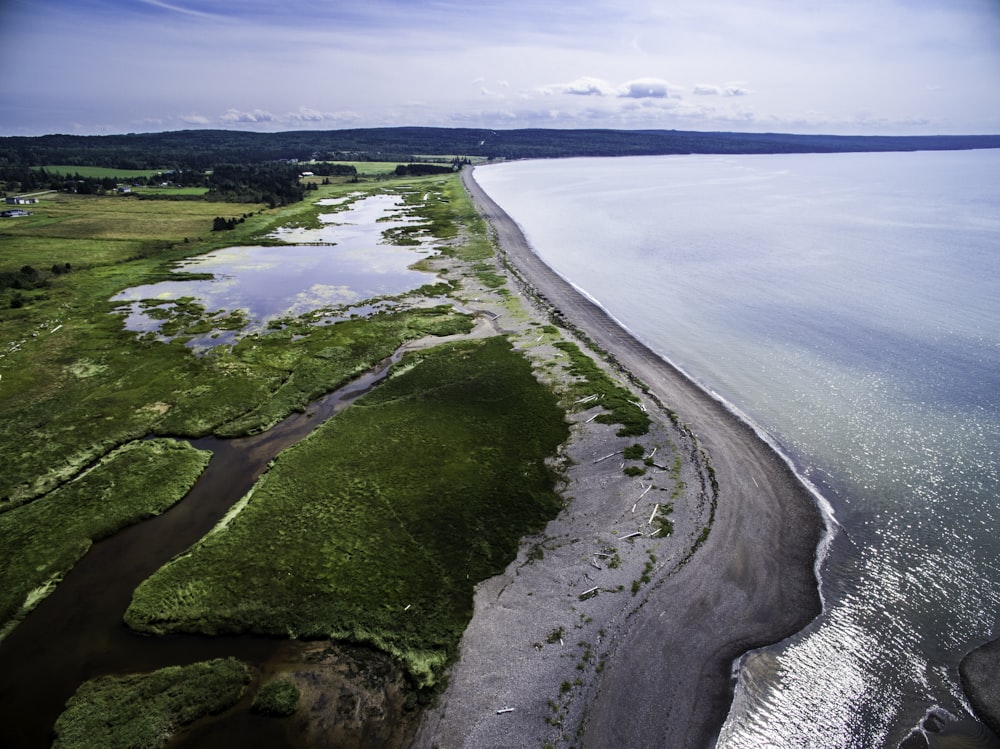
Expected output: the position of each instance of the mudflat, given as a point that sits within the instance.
(653, 669)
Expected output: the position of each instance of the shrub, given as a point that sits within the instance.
(278, 697)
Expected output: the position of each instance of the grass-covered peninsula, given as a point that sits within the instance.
(376, 527)
(142, 711)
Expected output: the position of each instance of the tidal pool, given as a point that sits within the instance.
(338, 268)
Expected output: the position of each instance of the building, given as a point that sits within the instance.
(17, 200)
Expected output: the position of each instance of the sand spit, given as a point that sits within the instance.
(596, 637)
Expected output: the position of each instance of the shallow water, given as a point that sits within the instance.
(331, 268)
(849, 305)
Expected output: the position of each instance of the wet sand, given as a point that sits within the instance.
(663, 673)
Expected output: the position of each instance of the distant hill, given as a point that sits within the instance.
(204, 148)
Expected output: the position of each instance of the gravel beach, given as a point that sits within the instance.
(601, 632)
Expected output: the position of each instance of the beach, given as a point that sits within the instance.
(650, 669)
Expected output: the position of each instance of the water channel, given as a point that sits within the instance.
(77, 633)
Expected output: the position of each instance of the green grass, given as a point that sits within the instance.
(98, 172)
(170, 192)
(620, 408)
(41, 541)
(75, 384)
(430, 483)
(142, 711)
(377, 527)
(279, 697)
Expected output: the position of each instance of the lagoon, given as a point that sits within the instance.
(330, 269)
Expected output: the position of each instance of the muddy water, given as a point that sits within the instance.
(77, 633)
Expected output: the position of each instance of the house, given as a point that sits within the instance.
(14, 213)
(17, 200)
(307, 174)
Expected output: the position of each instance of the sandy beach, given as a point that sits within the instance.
(559, 652)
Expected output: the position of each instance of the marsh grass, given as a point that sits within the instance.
(620, 408)
(142, 711)
(279, 697)
(57, 416)
(376, 528)
(43, 540)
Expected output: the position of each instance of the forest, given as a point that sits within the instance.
(204, 149)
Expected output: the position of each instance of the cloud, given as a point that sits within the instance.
(305, 114)
(179, 9)
(585, 86)
(195, 119)
(645, 88)
(705, 89)
(238, 117)
(308, 115)
(637, 88)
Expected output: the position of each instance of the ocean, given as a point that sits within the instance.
(849, 306)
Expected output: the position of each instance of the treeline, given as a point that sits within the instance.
(18, 179)
(203, 149)
(422, 170)
(275, 184)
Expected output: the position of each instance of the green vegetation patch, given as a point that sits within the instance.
(279, 697)
(98, 171)
(376, 528)
(42, 540)
(142, 711)
(621, 409)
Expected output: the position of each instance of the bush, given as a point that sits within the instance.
(634, 452)
(279, 697)
(141, 711)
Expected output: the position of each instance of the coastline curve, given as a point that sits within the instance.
(754, 581)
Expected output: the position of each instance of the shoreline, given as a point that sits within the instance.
(666, 670)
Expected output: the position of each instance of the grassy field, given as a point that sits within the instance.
(75, 387)
(170, 192)
(43, 539)
(376, 528)
(98, 172)
(142, 711)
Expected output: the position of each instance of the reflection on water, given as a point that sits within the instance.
(334, 267)
(850, 305)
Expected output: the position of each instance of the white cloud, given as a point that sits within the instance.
(836, 58)
(179, 9)
(305, 114)
(637, 88)
(585, 86)
(238, 117)
(646, 88)
(705, 89)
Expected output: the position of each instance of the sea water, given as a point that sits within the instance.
(849, 305)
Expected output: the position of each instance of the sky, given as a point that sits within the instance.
(808, 66)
